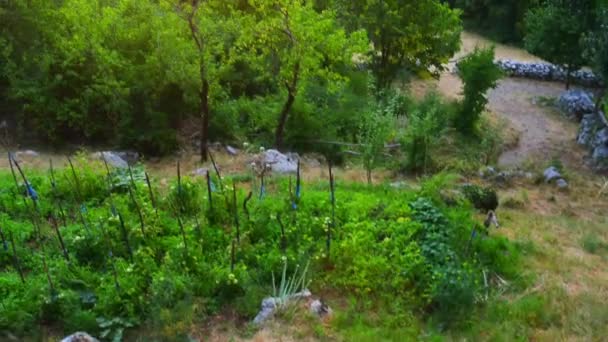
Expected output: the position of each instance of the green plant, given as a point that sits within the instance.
(373, 134)
(427, 122)
(113, 329)
(289, 286)
(593, 244)
(479, 74)
(481, 197)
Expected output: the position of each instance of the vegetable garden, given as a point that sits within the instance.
(107, 250)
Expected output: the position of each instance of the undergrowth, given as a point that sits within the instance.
(118, 260)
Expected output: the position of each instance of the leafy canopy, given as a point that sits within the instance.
(412, 35)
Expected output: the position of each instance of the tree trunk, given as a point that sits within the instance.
(283, 119)
(369, 176)
(568, 75)
(204, 114)
(292, 87)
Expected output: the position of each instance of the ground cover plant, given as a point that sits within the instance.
(107, 252)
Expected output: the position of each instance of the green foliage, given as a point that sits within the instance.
(555, 32)
(385, 242)
(500, 20)
(374, 134)
(481, 197)
(479, 74)
(427, 122)
(593, 244)
(416, 35)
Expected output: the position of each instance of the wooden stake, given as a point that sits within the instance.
(236, 214)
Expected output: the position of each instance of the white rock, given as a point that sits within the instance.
(279, 162)
(80, 337)
(112, 159)
(231, 150)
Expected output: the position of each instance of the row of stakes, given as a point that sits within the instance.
(35, 213)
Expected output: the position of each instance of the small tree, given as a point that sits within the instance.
(479, 74)
(374, 132)
(296, 44)
(597, 51)
(554, 32)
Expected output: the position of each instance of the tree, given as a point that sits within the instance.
(597, 53)
(298, 44)
(416, 35)
(555, 32)
(479, 74)
(374, 133)
(498, 19)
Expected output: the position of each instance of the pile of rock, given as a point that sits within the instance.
(275, 161)
(575, 103)
(552, 175)
(547, 72)
(118, 159)
(270, 305)
(593, 131)
(504, 177)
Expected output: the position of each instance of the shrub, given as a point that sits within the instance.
(427, 122)
(482, 198)
(479, 74)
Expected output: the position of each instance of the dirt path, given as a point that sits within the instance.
(543, 134)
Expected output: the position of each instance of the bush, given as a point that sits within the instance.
(479, 74)
(427, 121)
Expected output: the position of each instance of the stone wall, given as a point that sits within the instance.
(548, 72)
(593, 131)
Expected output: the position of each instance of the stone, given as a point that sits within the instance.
(112, 159)
(201, 172)
(317, 307)
(575, 103)
(488, 171)
(231, 150)
(80, 337)
(131, 157)
(600, 154)
(27, 153)
(561, 184)
(269, 305)
(601, 138)
(590, 124)
(279, 162)
(551, 174)
(547, 72)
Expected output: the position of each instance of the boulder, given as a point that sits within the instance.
(561, 184)
(551, 174)
(575, 103)
(601, 138)
(200, 172)
(112, 158)
(118, 159)
(27, 153)
(319, 308)
(80, 337)
(231, 150)
(269, 305)
(590, 124)
(600, 154)
(130, 157)
(279, 162)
